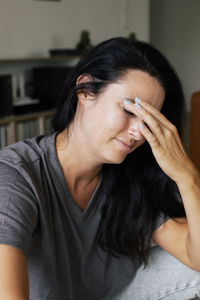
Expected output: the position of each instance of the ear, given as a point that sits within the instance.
(84, 96)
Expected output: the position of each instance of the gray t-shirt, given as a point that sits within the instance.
(39, 217)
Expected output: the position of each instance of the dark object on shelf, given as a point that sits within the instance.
(27, 108)
(47, 83)
(64, 52)
(6, 107)
(132, 37)
(84, 45)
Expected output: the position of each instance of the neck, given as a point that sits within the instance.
(79, 168)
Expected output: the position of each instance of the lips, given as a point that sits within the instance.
(126, 143)
(127, 146)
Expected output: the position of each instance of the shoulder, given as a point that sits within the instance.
(27, 152)
(26, 159)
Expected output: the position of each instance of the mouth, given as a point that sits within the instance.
(124, 146)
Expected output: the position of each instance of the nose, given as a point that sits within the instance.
(134, 128)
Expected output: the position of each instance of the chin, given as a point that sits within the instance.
(115, 160)
(118, 156)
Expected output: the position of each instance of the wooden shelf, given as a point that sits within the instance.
(39, 59)
(26, 117)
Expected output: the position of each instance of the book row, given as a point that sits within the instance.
(18, 131)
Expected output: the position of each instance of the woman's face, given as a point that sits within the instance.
(109, 131)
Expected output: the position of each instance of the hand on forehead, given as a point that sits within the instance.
(137, 83)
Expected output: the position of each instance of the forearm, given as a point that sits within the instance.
(14, 283)
(190, 192)
(9, 296)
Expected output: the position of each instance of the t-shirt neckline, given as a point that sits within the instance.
(64, 190)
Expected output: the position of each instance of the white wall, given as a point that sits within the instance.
(31, 27)
(175, 30)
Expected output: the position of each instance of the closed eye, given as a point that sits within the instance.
(127, 111)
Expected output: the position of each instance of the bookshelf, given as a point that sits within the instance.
(16, 128)
(26, 125)
(18, 69)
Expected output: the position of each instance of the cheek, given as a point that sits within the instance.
(113, 121)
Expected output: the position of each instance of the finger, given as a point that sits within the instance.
(161, 140)
(153, 123)
(149, 136)
(168, 128)
(154, 112)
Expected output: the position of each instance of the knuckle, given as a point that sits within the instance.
(168, 133)
(156, 126)
(154, 140)
(174, 129)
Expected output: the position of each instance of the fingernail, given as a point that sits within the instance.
(137, 100)
(127, 102)
(141, 125)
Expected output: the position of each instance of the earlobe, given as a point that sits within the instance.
(85, 98)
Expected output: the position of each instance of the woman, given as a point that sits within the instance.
(80, 208)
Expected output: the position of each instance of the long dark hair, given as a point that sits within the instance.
(137, 190)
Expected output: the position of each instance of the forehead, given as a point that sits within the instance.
(137, 83)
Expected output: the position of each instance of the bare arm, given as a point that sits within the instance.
(181, 240)
(13, 274)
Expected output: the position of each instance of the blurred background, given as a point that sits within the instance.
(41, 40)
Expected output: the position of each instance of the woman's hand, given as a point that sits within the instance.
(164, 140)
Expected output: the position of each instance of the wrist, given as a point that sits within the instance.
(189, 179)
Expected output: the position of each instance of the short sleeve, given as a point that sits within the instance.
(160, 220)
(18, 209)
